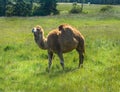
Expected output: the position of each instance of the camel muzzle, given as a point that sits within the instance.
(34, 30)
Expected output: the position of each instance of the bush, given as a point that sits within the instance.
(46, 7)
(22, 9)
(106, 8)
(1, 11)
(41, 12)
(75, 9)
(2, 7)
(38, 11)
(9, 9)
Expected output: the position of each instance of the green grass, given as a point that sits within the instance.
(23, 65)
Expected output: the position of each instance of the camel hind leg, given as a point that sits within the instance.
(81, 57)
(60, 55)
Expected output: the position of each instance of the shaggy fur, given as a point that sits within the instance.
(61, 40)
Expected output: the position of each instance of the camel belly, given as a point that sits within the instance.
(62, 43)
(68, 49)
(68, 45)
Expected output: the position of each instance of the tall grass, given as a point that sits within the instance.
(23, 65)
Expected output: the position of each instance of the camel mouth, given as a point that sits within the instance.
(32, 30)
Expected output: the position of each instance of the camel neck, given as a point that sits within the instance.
(42, 42)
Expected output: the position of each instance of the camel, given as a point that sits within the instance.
(61, 40)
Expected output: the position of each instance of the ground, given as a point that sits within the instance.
(23, 65)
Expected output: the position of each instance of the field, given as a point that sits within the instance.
(23, 65)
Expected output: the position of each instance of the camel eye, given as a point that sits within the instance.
(39, 30)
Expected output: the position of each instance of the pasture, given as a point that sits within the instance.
(23, 65)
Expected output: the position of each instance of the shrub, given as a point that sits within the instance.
(47, 7)
(9, 9)
(22, 9)
(41, 12)
(75, 9)
(3, 7)
(106, 8)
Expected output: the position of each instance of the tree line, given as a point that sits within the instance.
(93, 1)
(28, 7)
(39, 7)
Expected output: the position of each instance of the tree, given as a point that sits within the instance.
(48, 7)
(22, 8)
(31, 3)
(82, 5)
(9, 9)
(3, 7)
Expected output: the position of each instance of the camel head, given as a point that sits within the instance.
(38, 32)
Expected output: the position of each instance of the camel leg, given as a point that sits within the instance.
(60, 55)
(50, 56)
(81, 58)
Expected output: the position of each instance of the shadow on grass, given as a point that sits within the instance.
(59, 72)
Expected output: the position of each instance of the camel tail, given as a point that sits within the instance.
(84, 49)
(83, 46)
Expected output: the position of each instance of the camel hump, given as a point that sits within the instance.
(63, 26)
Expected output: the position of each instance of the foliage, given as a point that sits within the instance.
(3, 7)
(42, 7)
(10, 9)
(22, 8)
(18, 8)
(25, 8)
(47, 7)
(106, 8)
(76, 8)
(93, 1)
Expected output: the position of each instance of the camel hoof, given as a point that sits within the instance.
(47, 69)
(80, 66)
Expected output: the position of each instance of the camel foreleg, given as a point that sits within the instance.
(50, 56)
(81, 59)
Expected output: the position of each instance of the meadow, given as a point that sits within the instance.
(23, 65)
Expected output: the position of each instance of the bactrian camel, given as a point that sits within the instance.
(61, 40)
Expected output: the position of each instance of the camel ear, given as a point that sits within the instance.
(38, 27)
(60, 27)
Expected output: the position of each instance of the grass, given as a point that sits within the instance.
(23, 64)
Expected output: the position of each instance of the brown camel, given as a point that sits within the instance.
(61, 40)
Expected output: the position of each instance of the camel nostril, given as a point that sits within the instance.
(32, 30)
